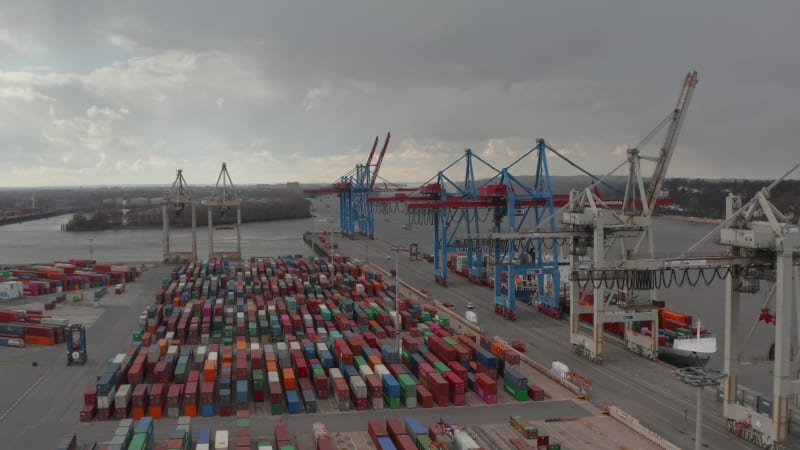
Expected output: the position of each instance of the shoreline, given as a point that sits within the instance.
(693, 219)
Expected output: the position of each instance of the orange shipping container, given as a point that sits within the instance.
(190, 410)
(137, 413)
(209, 370)
(289, 381)
(272, 366)
(156, 412)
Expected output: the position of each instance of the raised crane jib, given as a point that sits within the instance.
(668, 149)
(380, 160)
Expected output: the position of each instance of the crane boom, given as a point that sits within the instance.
(380, 160)
(668, 149)
(372, 153)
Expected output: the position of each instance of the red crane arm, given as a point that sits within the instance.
(380, 159)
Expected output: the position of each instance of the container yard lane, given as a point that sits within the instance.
(51, 407)
(646, 389)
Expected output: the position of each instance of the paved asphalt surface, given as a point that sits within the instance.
(646, 389)
(38, 404)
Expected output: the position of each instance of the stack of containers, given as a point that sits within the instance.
(207, 398)
(89, 404)
(142, 434)
(375, 389)
(308, 396)
(458, 388)
(515, 383)
(486, 363)
(391, 389)
(123, 433)
(174, 400)
(203, 439)
(340, 390)
(139, 401)
(181, 436)
(377, 432)
(243, 435)
(122, 402)
(190, 395)
(486, 388)
(157, 398)
(408, 390)
(282, 437)
(359, 392)
(106, 391)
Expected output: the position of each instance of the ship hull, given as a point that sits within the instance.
(683, 358)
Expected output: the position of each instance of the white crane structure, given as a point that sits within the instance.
(602, 225)
(763, 246)
(224, 197)
(175, 202)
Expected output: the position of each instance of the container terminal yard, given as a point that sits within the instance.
(277, 348)
(645, 389)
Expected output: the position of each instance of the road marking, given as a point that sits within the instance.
(21, 397)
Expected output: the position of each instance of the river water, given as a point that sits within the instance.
(42, 241)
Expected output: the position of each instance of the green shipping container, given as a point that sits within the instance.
(450, 340)
(444, 321)
(137, 335)
(554, 447)
(426, 316)
(441, 367)
(139, 442)
(519, 395)
(242, 422)
(359, 361)
(391, 402)
(423, 442)
(276, 409)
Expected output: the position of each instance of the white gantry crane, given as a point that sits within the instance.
(224, 197)
(591, 215)
(175, 202)
(763, 246)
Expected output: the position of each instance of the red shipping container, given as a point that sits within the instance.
(395, 428)
(404, 442)
(424, 397)
(376, 430)
(90, 396)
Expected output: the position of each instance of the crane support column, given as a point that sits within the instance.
(194, 232)
(783, 327)
(731, 361)
(596, 351)
(210, 235)
(165, 227)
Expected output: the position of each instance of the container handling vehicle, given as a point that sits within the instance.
(76, 344)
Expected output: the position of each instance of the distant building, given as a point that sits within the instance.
(293, 185)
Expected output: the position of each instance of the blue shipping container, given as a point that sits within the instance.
(413, 427)
(390, 386)
(385, 443)
(292, 402)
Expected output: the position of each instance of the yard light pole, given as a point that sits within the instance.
(396, 249)
(91, 249)
(699, 377)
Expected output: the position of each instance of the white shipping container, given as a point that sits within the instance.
(334, 373)
(381, 370)
(10, 290)
(55, 321)
(202, 447)
(264, 446)
(323, 280)
(123, 396)
(464, 441)
(273, 377)
(365, 370)
(221, 440)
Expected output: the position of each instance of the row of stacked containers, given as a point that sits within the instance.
(72, 275)
(392, 434)
(286, 333)
(21, 327)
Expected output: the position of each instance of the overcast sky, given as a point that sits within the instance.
(97, 92)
